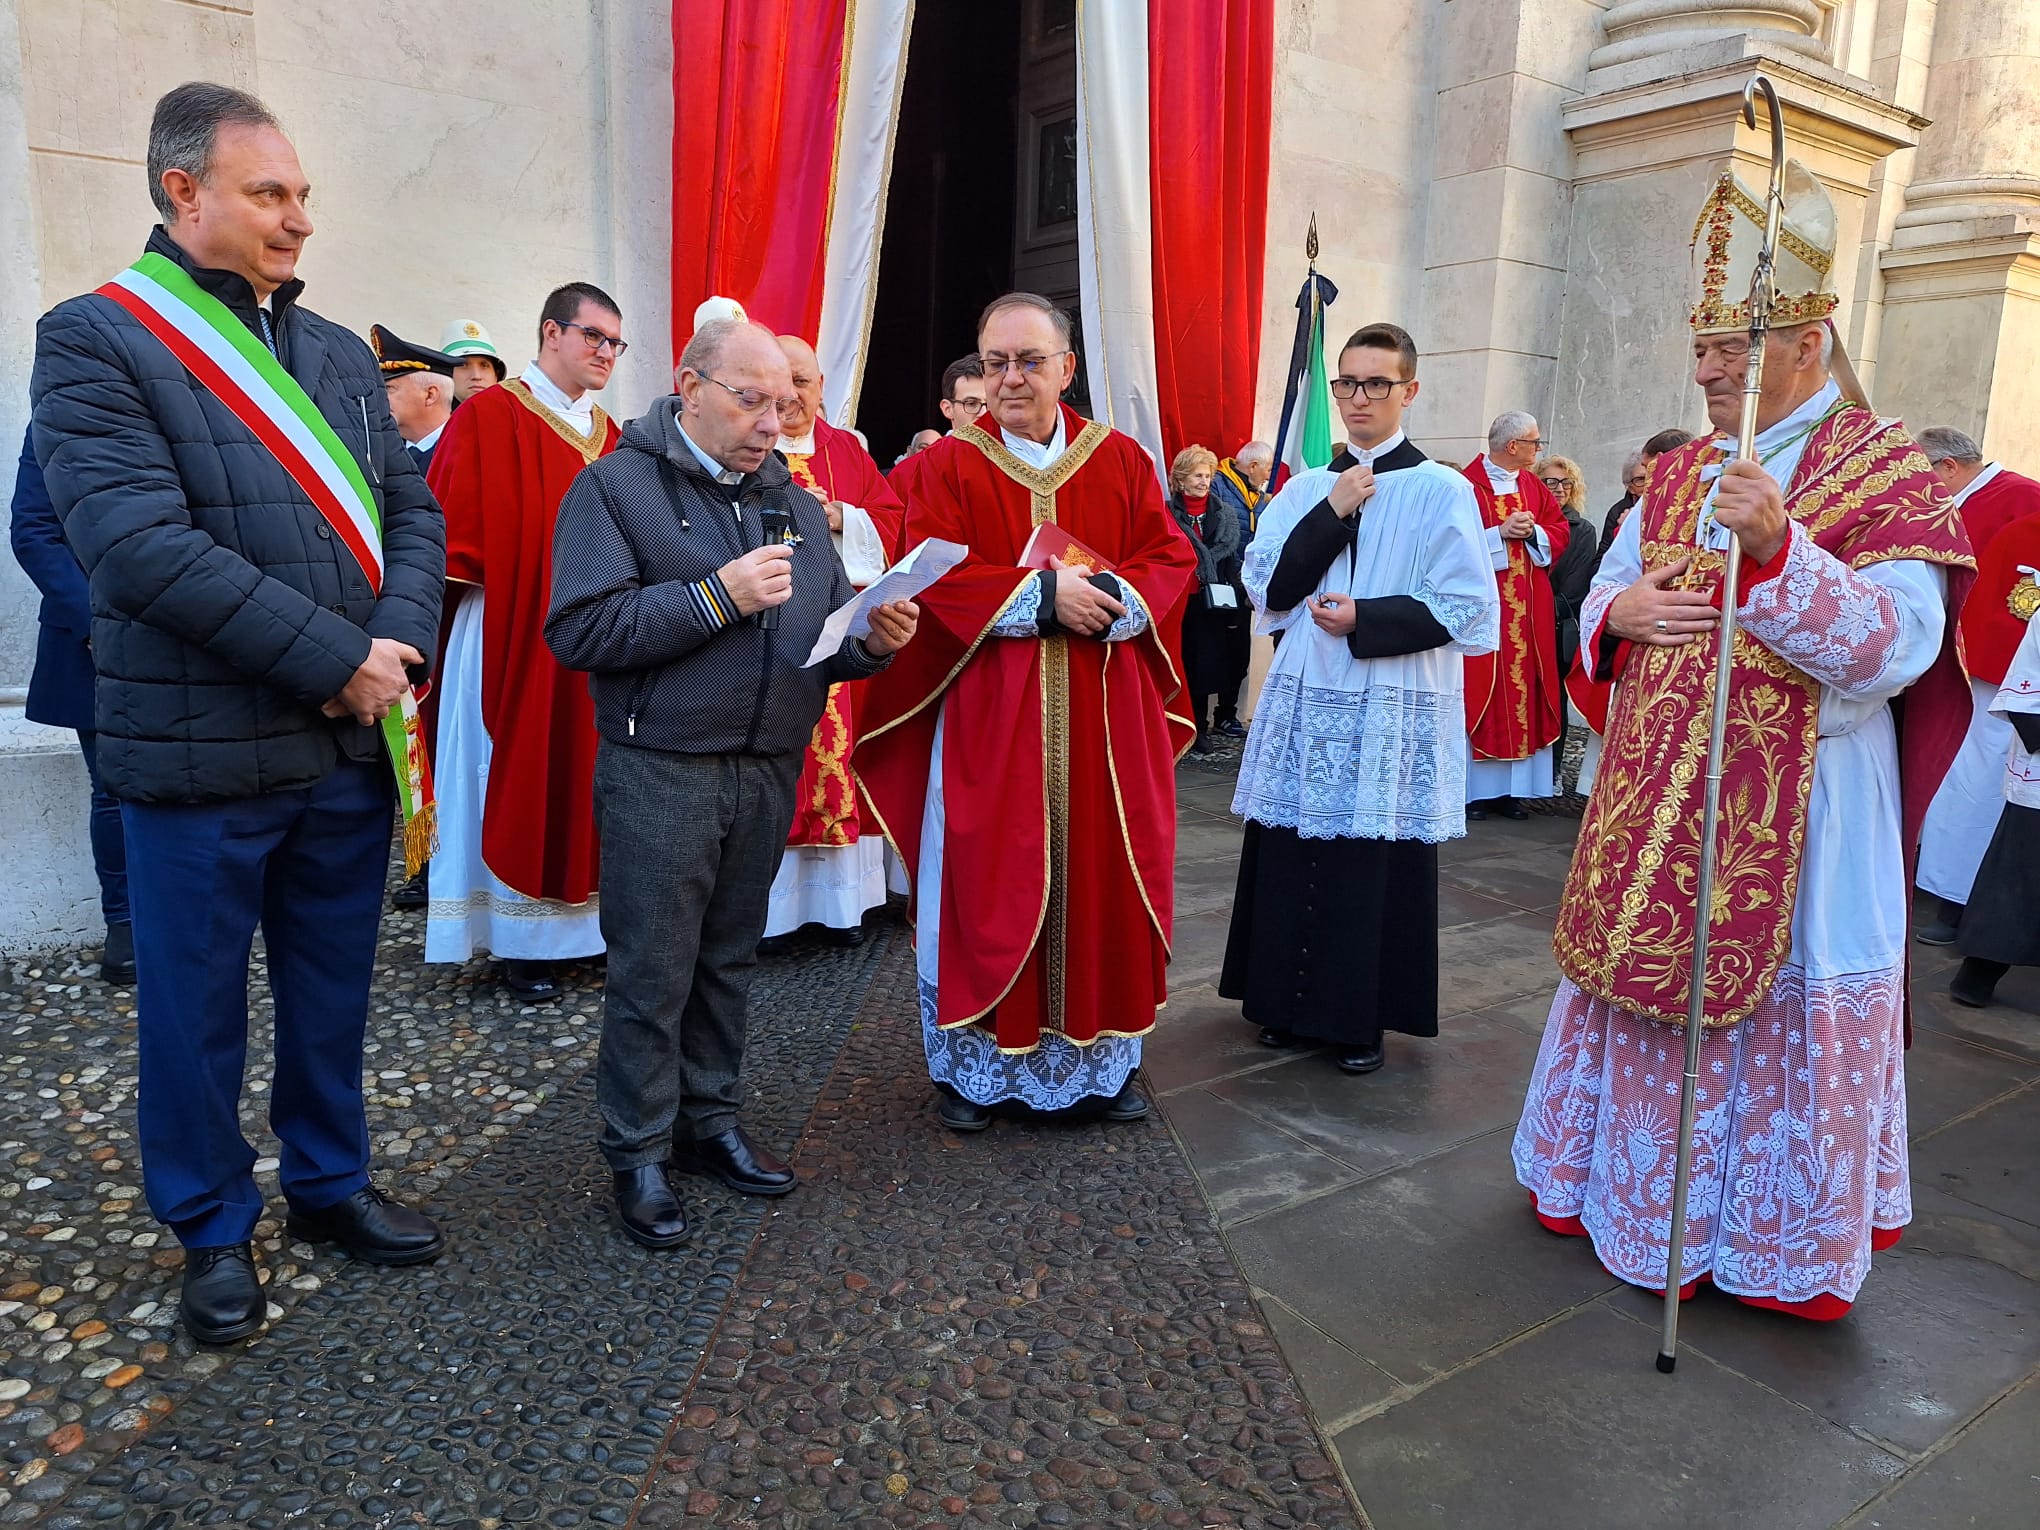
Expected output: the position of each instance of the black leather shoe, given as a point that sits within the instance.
(648, 1208)
(117, 957)
(959, 1114)
(847, 940)
(1513, 810)
(1940, 931)
(1975, 982)
(532, 982)
(1127, 1105)
(774, 945)
(371, 1227)
(737, 1161)
(1361, 1059)
(1271, 1037)
(1476, 814)
(411, 893)
(223, 1298)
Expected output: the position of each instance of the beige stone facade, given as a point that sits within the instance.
(1514, 180)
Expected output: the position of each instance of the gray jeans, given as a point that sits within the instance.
(690, 844)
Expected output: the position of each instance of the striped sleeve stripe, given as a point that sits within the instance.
(717, 608)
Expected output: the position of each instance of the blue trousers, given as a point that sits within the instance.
(308, 867)
(109, 850)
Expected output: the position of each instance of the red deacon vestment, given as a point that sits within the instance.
(825, 807)
(1991, 507)
(500, 472)
(1057, 754)
(1512, 694)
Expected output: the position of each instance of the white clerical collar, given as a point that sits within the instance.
(1990, 472)
(427, 443)
(799, 446)
(1365, 455)
(1502, 480)
(715, 469)
(577, 412)
(1039, 455)
(1793, 428)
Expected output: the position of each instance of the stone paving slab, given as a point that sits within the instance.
(1033, 1326)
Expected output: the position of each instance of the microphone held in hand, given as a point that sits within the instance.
(778, 527)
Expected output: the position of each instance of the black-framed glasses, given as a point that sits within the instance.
(995, 366)
(596, 338)
(1536, 441)
(1557, 483)
(1639, 481)
(970, 405)
(1376, 388)
(753, 400)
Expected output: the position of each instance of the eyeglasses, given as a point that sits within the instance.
(970, 405)
(1536, 441)
(751, 400)
(1556, 483)
(1640, 481)
(595, 338)
(995, 366)
(1376, 388)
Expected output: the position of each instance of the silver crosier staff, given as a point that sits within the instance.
(1763, 296)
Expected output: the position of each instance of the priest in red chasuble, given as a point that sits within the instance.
(1853, 558)
(1021, 752)
(515, 754)
(834, 868)
(1514, 710)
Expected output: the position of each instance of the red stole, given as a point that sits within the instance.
(2002, 600)
(1865, 493)
(500, 472)
(825, 803)
(1512, 695)
(1058, 754)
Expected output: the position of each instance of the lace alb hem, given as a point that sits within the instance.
(1799, 1140)
(1054, 1076)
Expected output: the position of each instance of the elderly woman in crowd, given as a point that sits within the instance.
(1215, 621)
(1573, 570)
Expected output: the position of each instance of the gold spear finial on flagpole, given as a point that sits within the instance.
(1310, 245)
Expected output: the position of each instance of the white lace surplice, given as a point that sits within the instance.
(1371, 748)
(1800, 1140)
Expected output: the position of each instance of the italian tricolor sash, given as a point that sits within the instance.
(241, 372)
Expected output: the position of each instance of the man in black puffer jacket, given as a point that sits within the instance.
(691, 580)
(245, 659)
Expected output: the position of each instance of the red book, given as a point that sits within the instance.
(1051, 541)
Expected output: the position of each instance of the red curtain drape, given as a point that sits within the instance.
(756, 90)
(1211, 66)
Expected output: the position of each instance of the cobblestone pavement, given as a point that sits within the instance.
(1040, 1325)
(1476, 1373)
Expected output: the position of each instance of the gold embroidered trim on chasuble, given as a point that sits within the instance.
(589, 446)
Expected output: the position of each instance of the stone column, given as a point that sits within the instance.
(1962, 274)
(1659, 120)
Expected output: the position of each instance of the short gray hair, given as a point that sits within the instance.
(705, 350)
(1944, 443)
(1065, 330)
(185, 127)
(1511, 426)
(1255, 451)
(1632, 465)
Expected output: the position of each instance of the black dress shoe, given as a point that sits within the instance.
(1476, 814)
(1975, 981)
(648, 1208)
(848, 939)
(1361, 1059)
(1513, 810)
(1944, 927)
(737, 1161)
(959, 1114)
(1271, 1037)
(1127, 1105)
(411, 893)
(117, 957)
(774, 945)
(371, 1227)
(223, 1298)
(531, 981)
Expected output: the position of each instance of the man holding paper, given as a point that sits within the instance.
(1021, 754)
(691, 578)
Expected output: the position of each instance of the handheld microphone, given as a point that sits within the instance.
(778, 526)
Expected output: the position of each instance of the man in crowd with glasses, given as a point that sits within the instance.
(1513, 711)
(515, 756)
(834, 867)
(962, 402)
(692, 617)
(1022, 753)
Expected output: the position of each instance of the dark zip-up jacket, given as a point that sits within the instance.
(637, 603)
(225, 611)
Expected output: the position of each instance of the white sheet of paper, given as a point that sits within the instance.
(903, 581)
(1222, 597)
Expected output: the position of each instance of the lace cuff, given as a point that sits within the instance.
(1022, 617)
(1840, 626)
